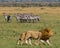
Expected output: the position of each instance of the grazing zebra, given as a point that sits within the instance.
(21, 17)
(17, 16)
(24, 19)
(37, 18)
(31, 19)
(27, 18)
(7, 17)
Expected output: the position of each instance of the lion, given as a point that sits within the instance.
(28, 36)
(41, 35)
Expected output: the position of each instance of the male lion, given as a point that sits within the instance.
(42, 35)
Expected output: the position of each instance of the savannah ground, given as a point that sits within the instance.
(10, 32)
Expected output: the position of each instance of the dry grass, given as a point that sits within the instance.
(34, 10)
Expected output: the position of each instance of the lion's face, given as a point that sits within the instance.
(50, 33)
(46, 33)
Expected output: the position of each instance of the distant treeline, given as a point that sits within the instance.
(41, 4)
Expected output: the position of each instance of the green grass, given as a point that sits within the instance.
(9, 32)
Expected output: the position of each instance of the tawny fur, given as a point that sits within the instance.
(46, 33)
(43, 34)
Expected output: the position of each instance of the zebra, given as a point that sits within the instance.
(7, 17)
(37, 18)
(27, 18)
